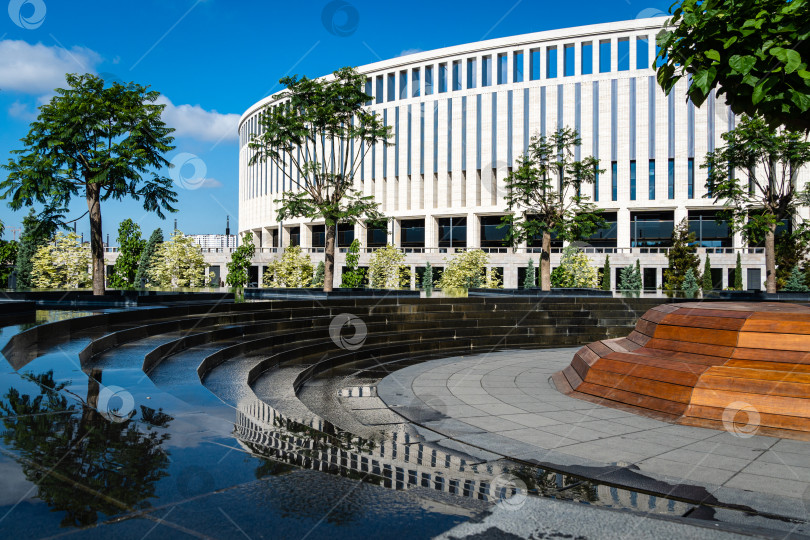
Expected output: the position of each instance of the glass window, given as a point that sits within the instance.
(428, 80)
(569, 58)
(604, 57)
(586, 58)
(457, 75)
(380, 92)
(392, 87)
(376, 236)
(652, 180)
(412, 233)
(368, 91)
(624, 54)
(642, 53)
(453, 232)
(651, 229)
(690, 178)
(614, 181)
(632, 180)
(551, 62)
(517, 66)
(503, 68)
(442, 78)
(295, 236)
(318, 236)
(492, 235)
(671, 178)
(486, 71)
(345, 234)
(535, 64)
(708, 230)
(415, 82)
(403, 85)
(471, 67)
(605, 237)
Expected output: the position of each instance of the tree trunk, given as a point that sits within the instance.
(545, 263)
(770, 260)
(329, 262)
(96, 242)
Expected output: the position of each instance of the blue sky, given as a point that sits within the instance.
(211, 59)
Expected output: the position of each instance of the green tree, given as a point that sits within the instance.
(682, 258)
(322, 131)
(130, 246)
(530, 281)
(790, 250)
(97, 141)
(35, 234)
(386, 269)
(8, 257)
(575, 270)
(753, 51)
(317, 280)
(738, 281)
(292, 270)
(177, 263)
(146, 258)
(795, 282)
(606, 274)
(630, 278)
(62, 264)
(467, 270)
(756, 177)
(544, 195)
(690, 284)
(353, 276)
(427, 280)
(239, 265)
(707, 284)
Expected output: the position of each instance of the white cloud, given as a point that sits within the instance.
(36, 69)
(406, 52)
(210, 183)
(195, 122)
(21, 111)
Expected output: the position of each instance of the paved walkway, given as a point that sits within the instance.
(504, 403)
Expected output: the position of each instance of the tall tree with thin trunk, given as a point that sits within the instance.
(317, 134)
(545, 195)
(98, 141)
(756, 177)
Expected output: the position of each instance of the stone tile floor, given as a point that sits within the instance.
(503, 402)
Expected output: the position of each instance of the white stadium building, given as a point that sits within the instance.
(460, 118)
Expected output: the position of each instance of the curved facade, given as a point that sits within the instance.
(461, 116)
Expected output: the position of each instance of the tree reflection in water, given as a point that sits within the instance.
(83, 464)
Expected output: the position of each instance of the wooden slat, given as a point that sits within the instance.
(770, 355)
(628, 345)
(720, 381)
(771, 420)
(776, 327)
(724, 338)
(694, 348)
(654, 316)
(580, 366)
(630, 398)
(778, 366)
(717, 323)
(784, 342)
(561, 383)
(763, 404)
(657, 362)
(655, 373)
(638, 385)
(723, 313)
(588, 355)
(766, 374)
(638, 338)
(646, 327)
(691, 358)
(573, 377)
(600, 348)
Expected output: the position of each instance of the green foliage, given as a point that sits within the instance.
(177, 263)
(328, 118)
(467, 270)
(292, 270)
(35, 233)
(62, 264)
(790, 249)
(95, 141)
(795, 282)
(738, 281)
(753, 51)
(427, 280)
(707, 284)
(317, 279)
(575, 270)
(353, 276)
(530, 281)
(146, 258)
(630, 278)
(386, 269)
(8, 257)
(682, 258)
(130, 246)
(764, 189)
(239, 265)
(544, 194)
(690, 284)
(606, 274)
